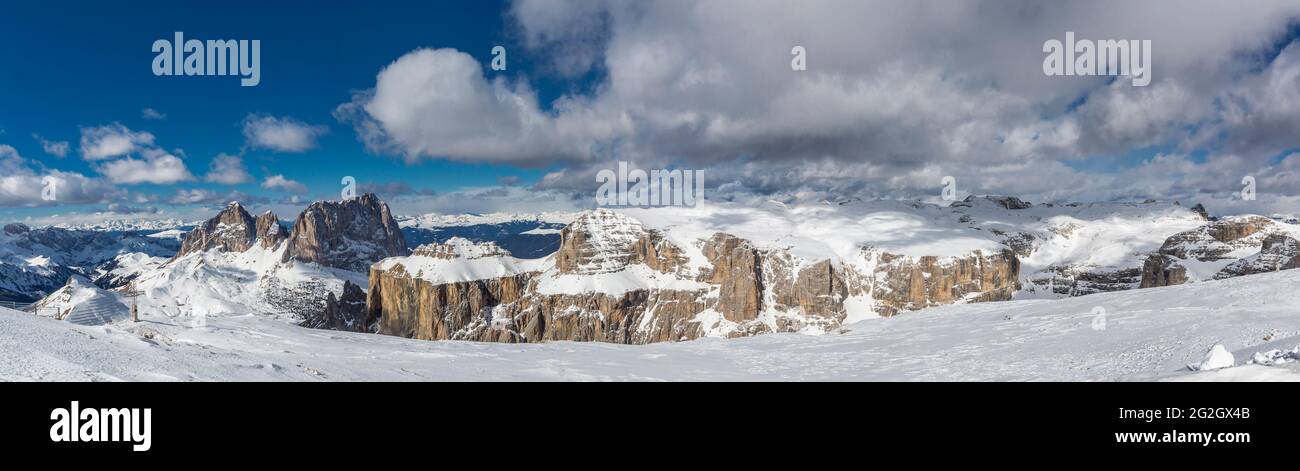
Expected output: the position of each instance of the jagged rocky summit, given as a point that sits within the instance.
(349, 234)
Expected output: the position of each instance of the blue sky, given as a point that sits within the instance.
(897, 95)
(83, 64)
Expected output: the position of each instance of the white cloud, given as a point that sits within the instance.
(113, 140)
(892, 96)
(21, 185)
(56, 148)
(150, 113)
(228, 170)
(435, 103)
(140, 160)
(279, 183)
(281, 134)
(206, 197)
(157, 167)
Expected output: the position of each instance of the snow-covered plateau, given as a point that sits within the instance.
(1149, 334)
(987, 289)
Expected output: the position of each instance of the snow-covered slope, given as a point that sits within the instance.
(218, 283)
(35, 262)
(232, 264)
(82, 302)
(1149, 334)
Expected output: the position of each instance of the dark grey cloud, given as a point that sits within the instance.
(897, 95)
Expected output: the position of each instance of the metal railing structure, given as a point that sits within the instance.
(17, 306)
(32, 308)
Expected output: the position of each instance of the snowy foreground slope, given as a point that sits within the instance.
(1150, 334)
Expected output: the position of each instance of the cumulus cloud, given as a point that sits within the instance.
(24, 185)
(120, 208)
(228, 170)
(156, 167)
(574, 32)
(130, 157)
(150, 113)
(893, 99)
(56, 148)
(205, 197)
(281, 134)
(113, 140)
(279, 183)
(436, 103)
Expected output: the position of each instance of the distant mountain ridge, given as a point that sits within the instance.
(642, 275)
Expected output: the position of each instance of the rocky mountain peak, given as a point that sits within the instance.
(232, 230)
(349, 234)
(1200, 209)
(598, 241)
(269, 231)
(16, 228)
(1278, 252)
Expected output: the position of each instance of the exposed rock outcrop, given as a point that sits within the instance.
(408, 306)
(903, 283)
(232, 230)
(1162, 270)
(349, 234)
(269, 231)
(737, 272)
(1008, 202)
(600, 241)
(1219, 241)
(1278, 252)
(1071, 280)
(1200, 209)
(1215, 240)
(346, 312)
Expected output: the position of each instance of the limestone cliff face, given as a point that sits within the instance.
(411, 307)
(232, 230)
(348, 234)
(738, 273)
(905, 283)
(512, 308)
(742, 289)
(1162, 270)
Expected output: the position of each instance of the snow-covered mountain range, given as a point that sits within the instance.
(639, 275)
(649, 275)
(35, 262)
